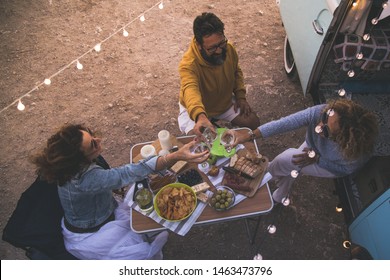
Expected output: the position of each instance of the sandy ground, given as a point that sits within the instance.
(129, 91)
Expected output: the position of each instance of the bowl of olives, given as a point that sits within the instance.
(223, 198)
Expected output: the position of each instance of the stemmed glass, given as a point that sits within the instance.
(227, 139)
(200, 148)
(209, 136)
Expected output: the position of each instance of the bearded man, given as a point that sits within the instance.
(212, 83)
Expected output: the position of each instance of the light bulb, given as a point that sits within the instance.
(79, 65)
(98, 47)
(161, 6)
(294, 173)
(142, 18)
(271, 229)
(125, 33)
(354, 4)
(258, 257)
(311, 154)
(286, 201)
(374, 21)
(21, 106)
(351, 73)
(346, 244)
(366, 37)
(341, 92)
(318, 129)
(359, 55)
(339, 209)
(47, 82)
(330, 112)
(384, 5)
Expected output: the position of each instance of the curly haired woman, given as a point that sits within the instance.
(340, 138)
(94, 225)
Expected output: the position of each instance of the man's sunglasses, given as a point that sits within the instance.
(221, 45)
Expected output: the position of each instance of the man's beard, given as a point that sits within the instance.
(214, 58)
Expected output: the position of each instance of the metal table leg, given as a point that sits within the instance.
(252, 235)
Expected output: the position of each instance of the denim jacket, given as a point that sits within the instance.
(87, 198)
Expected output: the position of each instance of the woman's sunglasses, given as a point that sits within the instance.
(94, 143)
(324, 128)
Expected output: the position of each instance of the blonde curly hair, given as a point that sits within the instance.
(358, 128)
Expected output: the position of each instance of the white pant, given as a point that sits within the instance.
(114, 241)
(281, 166)
(186, 124)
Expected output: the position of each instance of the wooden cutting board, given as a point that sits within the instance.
(253, 184)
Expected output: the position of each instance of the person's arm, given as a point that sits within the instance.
(96, 178)
(244, 135)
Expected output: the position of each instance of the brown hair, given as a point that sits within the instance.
(358, 128)
(62, 158)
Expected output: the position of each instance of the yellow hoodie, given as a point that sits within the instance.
(207, 88)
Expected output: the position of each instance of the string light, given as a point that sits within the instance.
(286, 201)
(294, 173)
(21, 106)
(98, 47)
(347, 244)
(271, 229)
(341, 92)
(366, 37)
(318, 129)
(258, 257)
(79, 66)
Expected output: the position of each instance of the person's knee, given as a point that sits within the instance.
(282, 162)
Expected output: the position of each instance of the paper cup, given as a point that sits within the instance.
(147, 151)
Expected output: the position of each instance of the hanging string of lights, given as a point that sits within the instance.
(366, 37)
(97, 48)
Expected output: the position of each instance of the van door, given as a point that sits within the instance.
(307, 20)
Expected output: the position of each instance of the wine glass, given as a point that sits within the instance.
(200, 148)
(209, 136)
(227, 139)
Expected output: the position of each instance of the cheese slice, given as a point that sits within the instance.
(203, 197)
(200, 187)
(178, 166)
